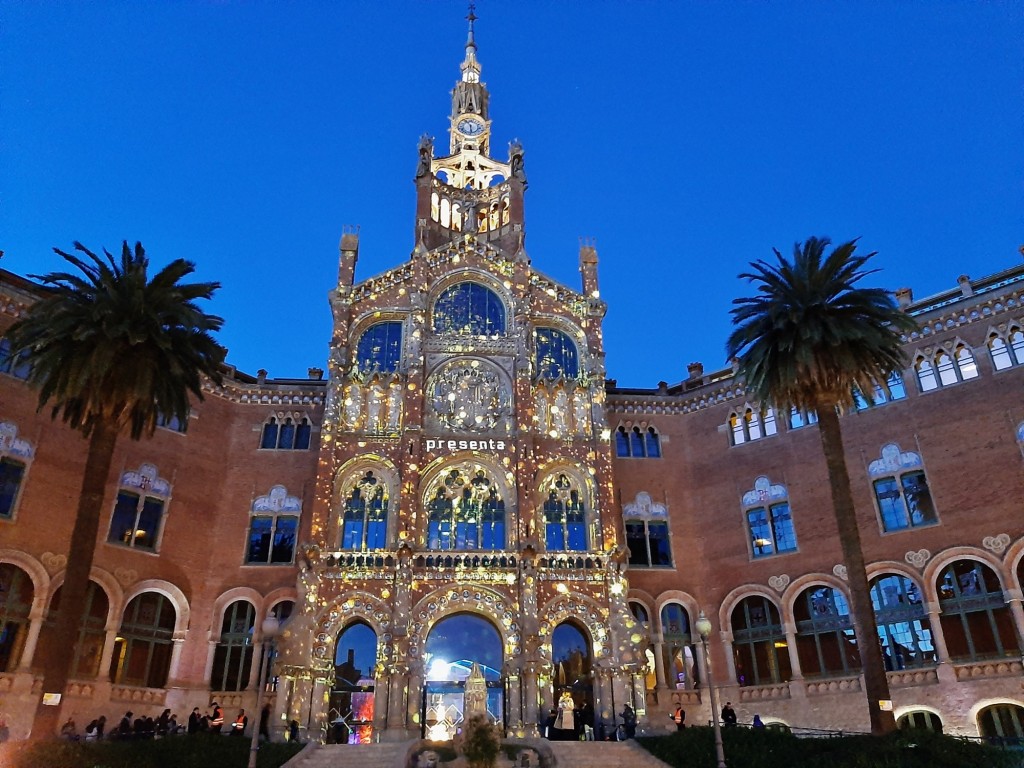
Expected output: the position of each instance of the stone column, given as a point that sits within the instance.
(514, 701)
(28, 651)
(320, 701)
(659, 662)
(178, 641)
(794, 657)
(531, 697)
(208, 669)
(414, 699)
(397, 705)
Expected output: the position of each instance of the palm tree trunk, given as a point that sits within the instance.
(57, 644)
(876, 684)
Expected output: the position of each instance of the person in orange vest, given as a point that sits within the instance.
(679, 717)
(238, 727)
(216, 718)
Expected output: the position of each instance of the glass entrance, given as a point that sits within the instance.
(351, 711)
(573, 679)
(453, 646)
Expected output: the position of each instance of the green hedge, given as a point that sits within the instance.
(199, 751)
(745, 748)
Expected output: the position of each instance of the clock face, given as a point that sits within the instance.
(470, 127)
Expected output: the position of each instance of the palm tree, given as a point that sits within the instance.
(809, 339)
(111, 351)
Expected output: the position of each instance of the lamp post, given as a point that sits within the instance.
(704, 629)
(269, 628)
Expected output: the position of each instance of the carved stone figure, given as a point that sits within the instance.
(394, 405)
(581, 423)
(426, 150)
(353, 405)
(374, 406)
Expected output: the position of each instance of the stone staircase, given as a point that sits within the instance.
(567, 754)
(603, 754)
(384, 755)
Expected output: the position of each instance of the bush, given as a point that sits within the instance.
(775, 749)
(480, 742)
(199, 751)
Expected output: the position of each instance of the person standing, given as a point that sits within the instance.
(679, 717)
(265, 722)
(195, 722)
(216, 718)
(238, 727)
(629, 722)
(728, 715)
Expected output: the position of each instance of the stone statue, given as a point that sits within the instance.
(426, 150)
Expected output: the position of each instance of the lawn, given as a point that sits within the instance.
(199, 751)
(745, 748)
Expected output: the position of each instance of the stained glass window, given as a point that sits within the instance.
(380, 348)
(364, 522)
(556, 355)
(465, 511)
(469, 309)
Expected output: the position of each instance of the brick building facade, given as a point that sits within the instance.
(465, 459)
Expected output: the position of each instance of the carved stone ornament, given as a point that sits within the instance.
(840, 570)
(919, 558)
(996, 544)
(125, 576)
(779, 583)
(52, 562)
(469, 396)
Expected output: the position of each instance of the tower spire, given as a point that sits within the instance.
(470, 66)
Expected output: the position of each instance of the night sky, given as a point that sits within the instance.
(688, 138)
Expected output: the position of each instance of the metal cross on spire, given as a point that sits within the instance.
(471, 17)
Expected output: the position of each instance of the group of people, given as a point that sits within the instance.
(569, 722)
(143, 727)
(729, 719)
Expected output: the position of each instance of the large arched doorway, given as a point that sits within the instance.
(572, 676)
(453, 646)
(352, 699)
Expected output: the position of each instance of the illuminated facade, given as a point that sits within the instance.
(465, 492)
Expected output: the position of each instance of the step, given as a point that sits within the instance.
(606, 754)
(385, 755)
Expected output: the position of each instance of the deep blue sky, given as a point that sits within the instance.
(689, 138)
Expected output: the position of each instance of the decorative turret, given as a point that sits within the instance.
(468, 191)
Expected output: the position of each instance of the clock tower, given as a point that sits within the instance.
(465, 521)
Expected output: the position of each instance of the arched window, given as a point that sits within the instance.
(565, 515)
(647, 532)
(1002, 724)
(769, 522)
(232, 658)
(286, 434)
(621, 442)
(752, 424)
(901, 490)
(380, 348)
(976, 621)
(896, 391)
(469, 309)
(920, 719)
(639, 612)
(637, 443)
(903, 627)
(465, 511)
(364, 519)
(18, 367)
(15, 456)
(678, 648)
(945, 369)
(91, 631)
(16, 594)
(273, 528)
(557, 357)
(139, 510)
(798, 418)
(825, 642)
(142, 650)
(759, 643)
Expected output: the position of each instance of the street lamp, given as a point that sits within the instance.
(704, 629)
(269, 628)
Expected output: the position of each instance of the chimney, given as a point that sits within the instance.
(261, 376)
(904, 297)
(316, 373)
(695, 370)
(965, 285)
